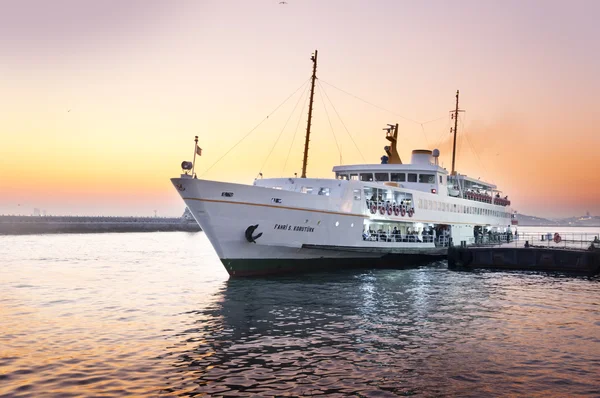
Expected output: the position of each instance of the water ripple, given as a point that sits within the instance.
(154, 315)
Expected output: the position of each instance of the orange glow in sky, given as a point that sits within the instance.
(100, 101)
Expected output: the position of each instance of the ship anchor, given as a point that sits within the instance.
(249, 231)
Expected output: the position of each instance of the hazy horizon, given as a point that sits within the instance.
(101, 101)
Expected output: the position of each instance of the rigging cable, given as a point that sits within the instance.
(444, 132)
(255, 127)
(281, 132)
(295, 131)
(370, 103)
(424, 135)
(330, 125)
(387, 110)
(473, 149)
(343, 124)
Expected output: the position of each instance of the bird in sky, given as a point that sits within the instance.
(283, 2)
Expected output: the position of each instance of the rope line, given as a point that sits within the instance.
(343, 124)
(281, 132)
(474, 151)
(370, 103)
(424, 135)
(255, 127)
(443, 134)
(295, 131)
(330, 125)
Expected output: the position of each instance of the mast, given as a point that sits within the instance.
(195, 151)
(455, 116)
(310, 109)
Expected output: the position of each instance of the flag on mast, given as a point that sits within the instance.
(198, 150)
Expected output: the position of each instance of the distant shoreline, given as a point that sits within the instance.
(31, 225)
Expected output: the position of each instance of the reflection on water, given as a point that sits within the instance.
(383, 333)
(154, 315)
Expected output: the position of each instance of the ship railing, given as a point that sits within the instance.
(397, 238)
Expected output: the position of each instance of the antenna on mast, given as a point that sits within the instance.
(310, 109)
(455, 116)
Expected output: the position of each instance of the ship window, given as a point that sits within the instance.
(356, 194)
(382, 177)
(398, 177)
(342, 176)
(426, 178)
(324, 191)
(306, 190)
(440, 179)
(412, 177)
(366, 176)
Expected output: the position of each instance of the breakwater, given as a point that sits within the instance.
(23, 225)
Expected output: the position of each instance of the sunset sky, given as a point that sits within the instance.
(100, 101)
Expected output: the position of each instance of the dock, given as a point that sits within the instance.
(565, 254)
(26, 225)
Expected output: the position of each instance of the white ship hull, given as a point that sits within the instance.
(299, 234)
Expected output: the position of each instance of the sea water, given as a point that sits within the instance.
(155, 314)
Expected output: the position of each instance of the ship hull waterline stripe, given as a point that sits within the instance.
(262, 267)
(334, 212)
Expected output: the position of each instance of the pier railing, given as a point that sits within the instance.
(556, 240)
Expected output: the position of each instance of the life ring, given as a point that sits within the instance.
(382, 209)
(402, 211)
(557, 238)
(389, 210)
(396, 210)
(411, 211)
(373, 208)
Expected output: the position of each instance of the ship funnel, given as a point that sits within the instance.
(422, 156)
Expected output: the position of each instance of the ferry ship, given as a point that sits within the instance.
(391, 214)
